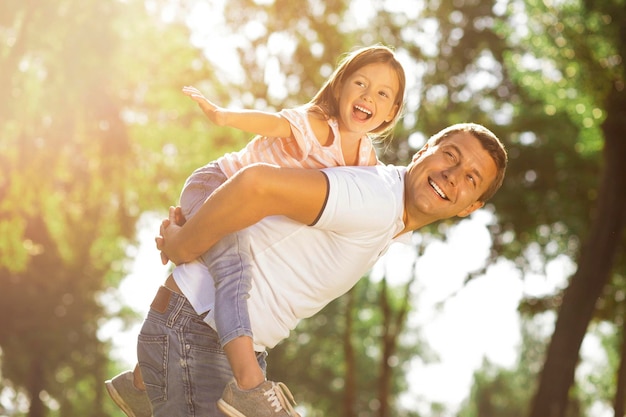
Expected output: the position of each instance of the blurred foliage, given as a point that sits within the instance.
(320, 342)
(76, 171)
(64, 156)
(94, 132)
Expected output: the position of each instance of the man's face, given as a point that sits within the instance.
(447, 179)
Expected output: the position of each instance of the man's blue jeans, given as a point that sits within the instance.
(182, 363)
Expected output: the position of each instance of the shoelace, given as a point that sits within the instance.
(276, 398)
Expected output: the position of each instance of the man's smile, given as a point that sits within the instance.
(438, 190)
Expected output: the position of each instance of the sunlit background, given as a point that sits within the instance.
(96, 140)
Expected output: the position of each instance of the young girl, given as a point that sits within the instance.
(359, 103)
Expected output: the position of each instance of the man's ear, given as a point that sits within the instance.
(471, 208)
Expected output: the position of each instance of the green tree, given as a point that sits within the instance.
(354, 354)
(501, 392)
(78, 165)
(63, 206)
(549, 81)
(585, 43)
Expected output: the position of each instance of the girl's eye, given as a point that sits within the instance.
(384, 94)
(360, 83)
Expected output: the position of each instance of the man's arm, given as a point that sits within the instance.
(248, 196)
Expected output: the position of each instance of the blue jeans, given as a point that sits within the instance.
(182, 363)
(228, 261)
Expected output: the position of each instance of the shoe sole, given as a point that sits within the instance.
(118, 400)
(228, 409)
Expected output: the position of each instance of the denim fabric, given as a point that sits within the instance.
(183, 366)
(199, 186)
(228, 261)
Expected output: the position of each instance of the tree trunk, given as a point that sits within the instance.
(594, 269)
(350, 358)
(393, 325)
(388, 345)
(35, 387)
(620, 389)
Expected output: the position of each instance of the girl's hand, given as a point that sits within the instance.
(212, 111)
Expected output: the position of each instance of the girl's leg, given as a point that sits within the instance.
(199, 186)
(137, 379)
(227, 262)
(244, 362)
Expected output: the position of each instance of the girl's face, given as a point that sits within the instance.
(367, 98)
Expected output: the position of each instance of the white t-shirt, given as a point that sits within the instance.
(298, 269)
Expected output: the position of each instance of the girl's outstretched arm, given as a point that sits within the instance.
(254, 121)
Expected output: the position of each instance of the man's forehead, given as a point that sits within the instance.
(471, 150)
(460, 137)
(464, 142)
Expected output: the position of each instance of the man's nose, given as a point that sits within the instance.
(451, 175)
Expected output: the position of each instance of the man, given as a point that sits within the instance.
(328, 227)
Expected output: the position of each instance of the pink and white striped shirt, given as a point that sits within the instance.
(301, 151)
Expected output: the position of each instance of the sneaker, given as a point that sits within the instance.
(133, 402)
(266, 400)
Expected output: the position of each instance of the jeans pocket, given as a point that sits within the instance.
(152, 353)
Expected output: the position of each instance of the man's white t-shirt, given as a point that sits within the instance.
(298, 269)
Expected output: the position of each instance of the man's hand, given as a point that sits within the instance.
(170, 227)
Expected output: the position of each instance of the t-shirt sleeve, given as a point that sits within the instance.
(359, 201)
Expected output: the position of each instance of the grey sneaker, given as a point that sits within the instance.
(132, 401)
(270, 399)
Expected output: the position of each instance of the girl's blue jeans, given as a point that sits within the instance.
(228, 261)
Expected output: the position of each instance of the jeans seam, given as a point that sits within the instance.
(176, 312)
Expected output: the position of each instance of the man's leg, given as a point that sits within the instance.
(183, 367)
